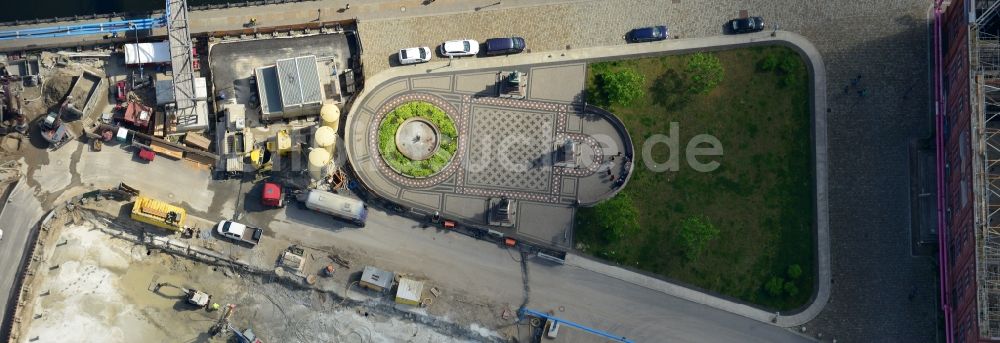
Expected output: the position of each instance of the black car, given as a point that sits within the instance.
(504, 46)
(745, 25)
(647, 34)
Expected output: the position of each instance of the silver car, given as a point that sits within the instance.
(464, 47)
(414, 55)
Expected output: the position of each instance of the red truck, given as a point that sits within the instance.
(272, 196)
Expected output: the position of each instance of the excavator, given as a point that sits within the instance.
(54, 130)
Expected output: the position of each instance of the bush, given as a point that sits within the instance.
(786, 66)
(620, 87)
(774, 286)
(791, 289)
(705, 71)
(768, 63)
(696, 233)
(404, 165)
(617, 218)
(794, 271)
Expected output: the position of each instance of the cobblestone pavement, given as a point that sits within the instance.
(884, 42)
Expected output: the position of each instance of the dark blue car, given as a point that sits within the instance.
(504, 46)
(745, 25)
(647, 34)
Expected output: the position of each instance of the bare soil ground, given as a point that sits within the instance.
(96, 287)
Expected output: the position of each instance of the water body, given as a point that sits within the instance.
(39, 9)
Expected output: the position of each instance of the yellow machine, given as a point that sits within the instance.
(158, 213)
(282, 143)
(260, 158)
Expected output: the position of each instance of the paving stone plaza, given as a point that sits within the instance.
(546, 153)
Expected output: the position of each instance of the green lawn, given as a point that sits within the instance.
(759, 199)
(395, 159)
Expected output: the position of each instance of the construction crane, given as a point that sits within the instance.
(175, 18)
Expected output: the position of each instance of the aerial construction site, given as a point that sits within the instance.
(474, 171)
(175, 186)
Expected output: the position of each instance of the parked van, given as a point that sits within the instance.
(339, 206)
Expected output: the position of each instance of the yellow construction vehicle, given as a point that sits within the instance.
(158, 213)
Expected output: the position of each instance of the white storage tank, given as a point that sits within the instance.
(326, 139)
(319, 163)
(330, 115)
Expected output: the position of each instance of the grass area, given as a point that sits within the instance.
(752, 217)
(423, 168)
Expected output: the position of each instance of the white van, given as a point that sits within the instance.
(350, 209)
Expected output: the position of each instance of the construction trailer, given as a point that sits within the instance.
(376, 279)
(158, 213)
(147, 53)
(409, 291)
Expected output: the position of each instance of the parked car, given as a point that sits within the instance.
(647, 34)
(455, 48)
(1, 234)
(414, 55)
(745, 25)
(504, 46)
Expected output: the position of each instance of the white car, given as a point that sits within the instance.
(465, 47)
(1, 234)
(414, 55)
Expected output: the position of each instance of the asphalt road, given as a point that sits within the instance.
(485, 270)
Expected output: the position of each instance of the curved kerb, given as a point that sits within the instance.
(817, 90)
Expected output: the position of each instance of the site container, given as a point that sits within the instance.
(158, 213)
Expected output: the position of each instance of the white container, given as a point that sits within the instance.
(326, 139)
(319, 163)
(330, 115)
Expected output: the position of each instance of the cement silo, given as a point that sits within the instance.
(326, 139)
(319, 163)
(330, 115)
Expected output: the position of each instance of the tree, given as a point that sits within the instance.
(705, 71)
(696, 233)
(794, 271)
(774, 286)
(621, 87)
(616, 217)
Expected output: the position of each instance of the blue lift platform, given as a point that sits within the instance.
(85, 29)
(524, 311)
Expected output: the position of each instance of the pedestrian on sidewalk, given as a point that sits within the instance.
(347, 6)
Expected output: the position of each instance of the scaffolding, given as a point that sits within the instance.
(181, 62)
(985, 142)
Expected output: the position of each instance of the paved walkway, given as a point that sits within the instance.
(506, 148)
(293, 14)
(795, 41)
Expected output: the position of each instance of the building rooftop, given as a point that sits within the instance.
(409, 291)
(377, 277)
